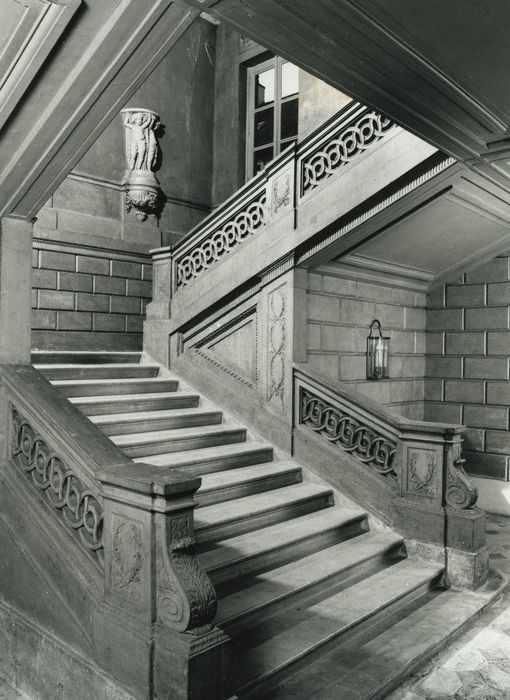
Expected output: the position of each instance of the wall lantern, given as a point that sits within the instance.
(378, 350)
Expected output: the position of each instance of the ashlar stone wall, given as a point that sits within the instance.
(340, 311)
(467, 366)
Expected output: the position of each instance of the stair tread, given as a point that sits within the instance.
(113, 380)
(249, 506)
(125, 398)
(407, 644)
(184, 458)
(279, 583)
(242, 475)
(234, 549)
(139, 416)
(81, 366)
(330, 617)
(173, 434)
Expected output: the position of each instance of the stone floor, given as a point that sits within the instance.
(477, 665)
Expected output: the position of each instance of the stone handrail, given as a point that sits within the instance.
(352, 131)
(422, 459)
(134, 521)
(408, 473)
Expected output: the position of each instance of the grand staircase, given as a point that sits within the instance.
(317, 604)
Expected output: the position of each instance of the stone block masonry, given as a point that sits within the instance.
(340, 312)
(467, 363)
(88, 298)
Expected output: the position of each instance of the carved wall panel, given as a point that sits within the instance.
(421, 472)
(276, 346)
(127, 558)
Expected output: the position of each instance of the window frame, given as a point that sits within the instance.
(278, 144)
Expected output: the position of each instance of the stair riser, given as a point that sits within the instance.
(155, 404)
(326, 586)
(209, 498)
(192, 443)
(291, 552)
(86, 358)
(223, 463)
(275, 515)
(99, 372)
(262, 686)
(118, 389)
(176, 422)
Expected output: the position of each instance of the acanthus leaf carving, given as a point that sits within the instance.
(421, 470)
(461, 492)
(277, 342)
(186, 596)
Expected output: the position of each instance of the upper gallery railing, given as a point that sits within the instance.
(320, 156)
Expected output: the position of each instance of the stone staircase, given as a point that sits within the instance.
(317, 604)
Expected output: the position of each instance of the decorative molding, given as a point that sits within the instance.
(40, 27)
(79, 508)
(385, 266)
(341, 147)
(421, 472)
(347, 432)
(76, 249)
(277, 345)
(228, 370)
(313, 248)
(220, 241)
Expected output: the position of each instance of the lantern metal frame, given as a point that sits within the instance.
(378, 353)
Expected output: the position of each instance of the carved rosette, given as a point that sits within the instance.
(461, 492)
(186, 597)
(143, 192)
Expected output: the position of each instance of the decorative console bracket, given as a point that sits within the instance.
(143, 191)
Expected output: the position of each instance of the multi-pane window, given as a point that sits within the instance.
(272, 113)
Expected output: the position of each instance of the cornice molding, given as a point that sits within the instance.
(40, 27)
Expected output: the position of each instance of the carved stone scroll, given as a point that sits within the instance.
(143, 192)
(461, 492)
(186, 598)
(345, 431)
(78, 507)
(342, 147)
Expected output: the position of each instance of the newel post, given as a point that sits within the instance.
(159, 607)
(156, 328)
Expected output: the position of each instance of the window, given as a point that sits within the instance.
(272, 112)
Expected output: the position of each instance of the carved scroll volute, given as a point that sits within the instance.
(461, 492)
(186, 599)
(143, 192)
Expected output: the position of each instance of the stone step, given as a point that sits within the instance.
(124, 403)
(101, 371)
(213, 459)
(108, 387)
(271, 651)
(145, 421)
(377, 665)
(258, 511)
(280, 544)
(252, 598)
(84, 358)
(178, 440)
(245, 481)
